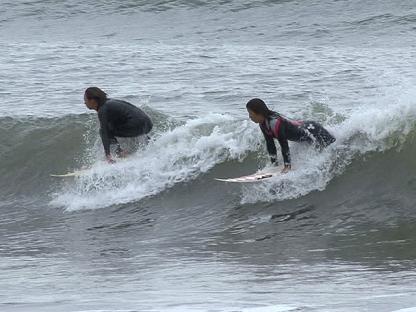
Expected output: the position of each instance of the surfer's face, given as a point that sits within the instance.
(257, 118)
(90, 103)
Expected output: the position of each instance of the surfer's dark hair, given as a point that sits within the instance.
(259, 107)
(97, 94)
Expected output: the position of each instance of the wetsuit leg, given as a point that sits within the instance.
(111, 136)
(133, 128)
(321, 137)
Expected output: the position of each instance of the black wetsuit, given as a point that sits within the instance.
(284, 130)
(121, 119)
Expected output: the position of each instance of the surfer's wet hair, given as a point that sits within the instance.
(259, 107)
(97, 94)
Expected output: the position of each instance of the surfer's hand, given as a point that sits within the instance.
(110, 160)
(286, 169)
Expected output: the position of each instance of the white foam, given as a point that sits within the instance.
(183, 153)
(176, 156)
(368, 128)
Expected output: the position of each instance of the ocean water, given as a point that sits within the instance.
(156, 232)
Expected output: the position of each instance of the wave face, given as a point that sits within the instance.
(202, 148)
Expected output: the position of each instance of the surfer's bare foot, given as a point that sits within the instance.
(286, 169)
(122, 154)
(110, 159)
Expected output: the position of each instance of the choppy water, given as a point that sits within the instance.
(155, 232)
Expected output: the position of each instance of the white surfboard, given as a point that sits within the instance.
(256, 177)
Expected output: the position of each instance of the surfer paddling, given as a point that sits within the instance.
(117, 119)
(275, 126)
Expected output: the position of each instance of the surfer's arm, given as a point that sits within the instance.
(284, 145)
(104, 131)
(271, 147)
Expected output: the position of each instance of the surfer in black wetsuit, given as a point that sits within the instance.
(275, 126)
(117, 119)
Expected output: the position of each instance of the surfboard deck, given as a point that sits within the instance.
(255, 177)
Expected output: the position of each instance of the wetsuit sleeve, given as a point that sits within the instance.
(284, 144)
(271, 147)
(104, 131)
